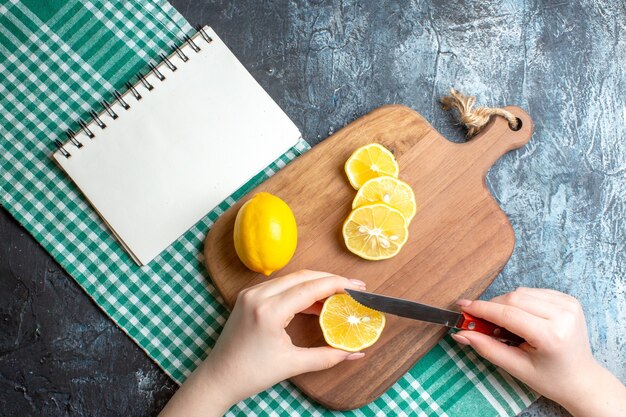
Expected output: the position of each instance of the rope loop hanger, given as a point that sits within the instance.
(475, 118)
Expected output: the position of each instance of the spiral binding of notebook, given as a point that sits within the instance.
(133, 90)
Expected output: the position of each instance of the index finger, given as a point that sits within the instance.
(280, 284)
(520, 322)
(301, 296)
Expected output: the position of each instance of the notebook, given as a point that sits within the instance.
(183, 138)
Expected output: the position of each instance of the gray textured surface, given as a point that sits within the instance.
(59, 354)
(327, 63)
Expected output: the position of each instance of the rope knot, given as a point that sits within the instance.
(475, 118)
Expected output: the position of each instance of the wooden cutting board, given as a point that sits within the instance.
(458, 242)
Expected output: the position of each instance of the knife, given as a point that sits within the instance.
(423, 312)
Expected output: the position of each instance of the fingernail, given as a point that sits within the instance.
(460, 339)
(360, 283)
(464, 303)
(355, 355)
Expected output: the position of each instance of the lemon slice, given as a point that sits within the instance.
(391, 191)
(348, 325)
(370, 161)
(375, 231)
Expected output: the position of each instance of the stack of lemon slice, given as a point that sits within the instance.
(377, 227)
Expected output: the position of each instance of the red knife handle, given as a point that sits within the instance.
(486, 327)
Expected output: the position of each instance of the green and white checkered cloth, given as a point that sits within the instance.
(58, 60)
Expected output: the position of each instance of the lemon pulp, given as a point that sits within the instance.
(348, 325)
(375, 231)
(388, 190)
(370, 161)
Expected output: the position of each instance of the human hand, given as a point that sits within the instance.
(254, 351)
(556, 359)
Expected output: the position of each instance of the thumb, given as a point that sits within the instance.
(512, 359)
(320, 358)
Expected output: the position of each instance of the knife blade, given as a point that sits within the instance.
(423, 312)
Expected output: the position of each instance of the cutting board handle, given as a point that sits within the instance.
(497, 138)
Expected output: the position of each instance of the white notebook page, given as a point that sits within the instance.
(189, 143)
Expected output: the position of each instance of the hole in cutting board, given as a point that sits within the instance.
(519, 125)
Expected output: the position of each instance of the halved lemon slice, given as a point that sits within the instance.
(375, 232)
(348, 325)
(391, 191)
(370, 161)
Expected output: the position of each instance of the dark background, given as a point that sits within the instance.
(326, 63)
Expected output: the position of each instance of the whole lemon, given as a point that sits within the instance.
(265, 233)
